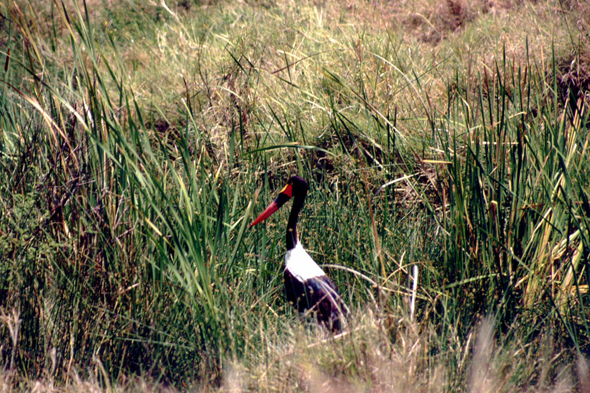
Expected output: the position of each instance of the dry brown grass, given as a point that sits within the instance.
(172, 60)
(364, 359)
(228, 75)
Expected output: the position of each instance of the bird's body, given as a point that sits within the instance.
(310, 291)
(307, 287)
(300, 265)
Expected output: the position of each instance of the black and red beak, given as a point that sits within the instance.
(285, 194)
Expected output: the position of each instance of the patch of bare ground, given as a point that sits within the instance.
(573, 77)
(433, 21)
(573, 66)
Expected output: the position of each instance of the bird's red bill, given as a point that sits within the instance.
(273, 207)
(285, 194)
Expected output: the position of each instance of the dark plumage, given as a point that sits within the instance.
(317, 296)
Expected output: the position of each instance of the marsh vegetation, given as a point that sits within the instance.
(138, 139)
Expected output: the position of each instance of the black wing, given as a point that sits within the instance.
(317, 296)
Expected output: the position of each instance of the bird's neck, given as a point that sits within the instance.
(292, 224)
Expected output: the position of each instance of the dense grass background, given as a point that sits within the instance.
(138, 140)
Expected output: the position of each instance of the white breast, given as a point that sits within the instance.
(300, 264)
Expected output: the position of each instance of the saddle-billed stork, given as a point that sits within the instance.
(307, 287)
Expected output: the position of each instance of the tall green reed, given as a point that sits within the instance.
(516, 188)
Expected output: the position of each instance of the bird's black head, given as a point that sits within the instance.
(299, 185)
(296, 188)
